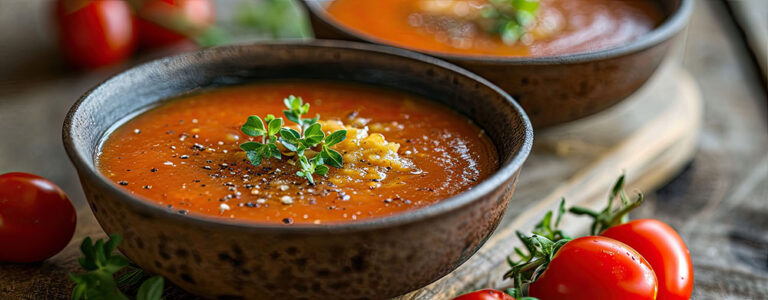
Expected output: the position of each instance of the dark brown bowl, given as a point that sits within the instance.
(554, 89)
(375, 258)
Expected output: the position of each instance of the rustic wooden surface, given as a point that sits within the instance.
(719, 203)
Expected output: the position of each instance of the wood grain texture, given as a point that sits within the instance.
(718, 203)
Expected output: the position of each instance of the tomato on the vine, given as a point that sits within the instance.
(595, 267)
(487, 294)
(166, 22)
(656, 241)
(37, 219)
(663, 248)
(95, 33)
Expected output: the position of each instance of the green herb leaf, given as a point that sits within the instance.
(274, 126)
(253, 151)
(314, 134)
(307, 168)
(290, 135)
(304, 108)
(293, 103)
(274, 152)
(332, 157)
(321, 170)
(151, 289)
(292, 116)
(335, 138)
(269, 118)
(254, 127)
(101, 264)
(511, 19)
(311, 121)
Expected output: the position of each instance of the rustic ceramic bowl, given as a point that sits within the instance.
(554, 89)
(375, 258)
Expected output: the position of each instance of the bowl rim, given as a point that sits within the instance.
(84, 162)
(673, 24)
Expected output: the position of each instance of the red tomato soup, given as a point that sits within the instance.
(401, 153)
(454, 26)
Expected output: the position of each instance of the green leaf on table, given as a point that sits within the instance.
(98, 282)
(151, 289)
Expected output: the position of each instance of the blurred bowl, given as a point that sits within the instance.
(553, 89)
(375, 258)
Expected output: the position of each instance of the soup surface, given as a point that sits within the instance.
(562, 26)
(401, 152)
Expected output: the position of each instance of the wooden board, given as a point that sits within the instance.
(651, 137)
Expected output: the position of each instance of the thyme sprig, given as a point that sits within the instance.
(309, 136)
(511, 18)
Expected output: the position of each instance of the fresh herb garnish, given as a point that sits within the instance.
(101, 265)
(310, 135)
(511, 18)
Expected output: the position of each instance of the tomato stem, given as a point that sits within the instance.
(611, 216)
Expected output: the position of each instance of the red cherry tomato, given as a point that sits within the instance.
(663, 248)
(487, 294)
(37, 219)
(166, 22)
(594, 268)
(95, 33)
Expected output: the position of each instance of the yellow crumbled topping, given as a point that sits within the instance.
(367, 156)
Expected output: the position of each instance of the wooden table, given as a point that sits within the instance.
(719, 203)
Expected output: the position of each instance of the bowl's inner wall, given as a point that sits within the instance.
(146, 85)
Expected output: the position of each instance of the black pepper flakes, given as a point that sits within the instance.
(153, 170)
(122, 182)
(207, 167)
(183, 211)
(288, 220)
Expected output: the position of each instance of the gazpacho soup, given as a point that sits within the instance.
(499, 27)
(297, 152)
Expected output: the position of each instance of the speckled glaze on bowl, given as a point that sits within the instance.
(376, 258)
(554, 89)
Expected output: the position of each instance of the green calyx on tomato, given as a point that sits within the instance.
(542, 247)
(611, 216)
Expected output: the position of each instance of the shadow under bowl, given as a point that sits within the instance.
(375, 258)
(553, 89)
